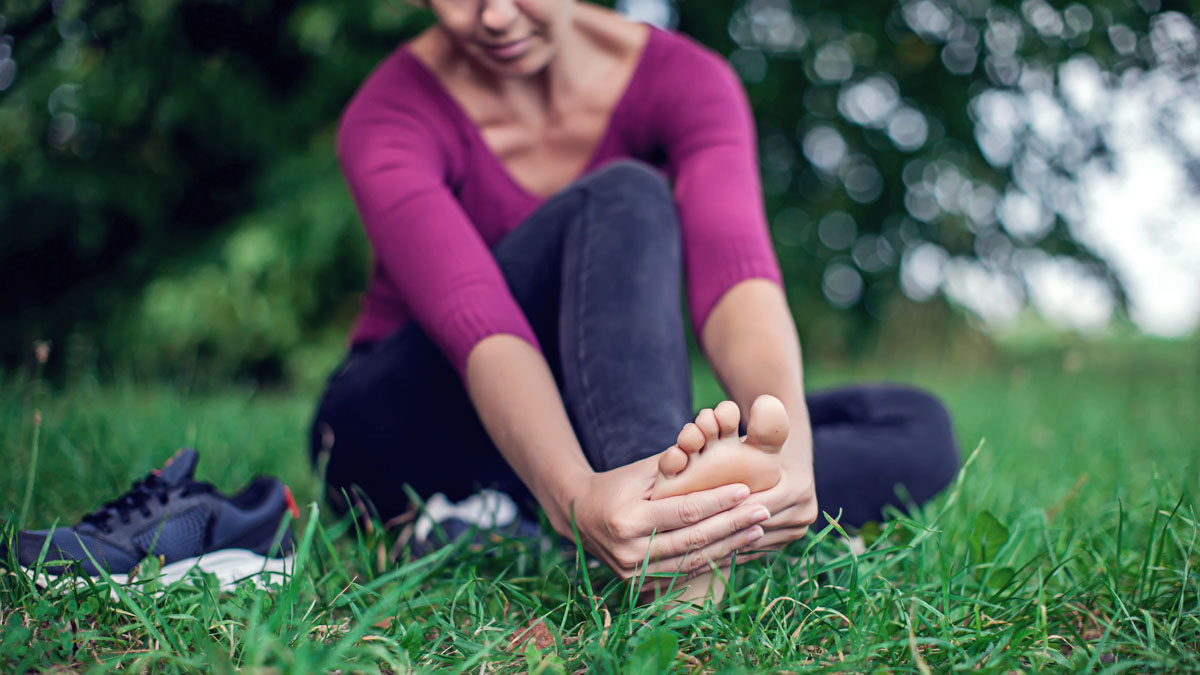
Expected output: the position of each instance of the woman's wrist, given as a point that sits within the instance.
(565, 486)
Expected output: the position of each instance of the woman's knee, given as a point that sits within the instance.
(632, 198)
(628, 179)
(937, 460)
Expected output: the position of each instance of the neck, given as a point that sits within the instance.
(566, 72)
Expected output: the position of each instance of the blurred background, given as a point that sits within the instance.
(941, 176)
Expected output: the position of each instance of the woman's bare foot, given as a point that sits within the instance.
(709, 454)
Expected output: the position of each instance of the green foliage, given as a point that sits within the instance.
(868, 120)
(542, 664)
(987, 536)
(172, 204)
(170, 170)
(654, 652)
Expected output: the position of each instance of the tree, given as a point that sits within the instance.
(906, 141)
(170, 193)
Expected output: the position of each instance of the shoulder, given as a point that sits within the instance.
(690, 99)
(683, 74)
(398, 108)
(676, 56)
(687, 79)
(397, 95)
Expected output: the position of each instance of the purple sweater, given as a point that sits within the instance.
(433, 198)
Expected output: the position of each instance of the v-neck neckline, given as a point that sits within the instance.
(603, 140)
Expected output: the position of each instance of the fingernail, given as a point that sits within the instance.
(761, 515)
(754, 535)
(741, 493)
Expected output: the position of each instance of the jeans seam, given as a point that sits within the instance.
(594, 419)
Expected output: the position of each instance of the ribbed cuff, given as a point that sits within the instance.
(472, 318)
(738, 261)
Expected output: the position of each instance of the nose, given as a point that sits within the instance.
(498, 15)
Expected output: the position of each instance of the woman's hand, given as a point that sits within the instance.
(792, 501)
(616, 518)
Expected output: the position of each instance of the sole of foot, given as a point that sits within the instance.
(709, 454)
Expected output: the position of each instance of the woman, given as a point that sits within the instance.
(522, 327)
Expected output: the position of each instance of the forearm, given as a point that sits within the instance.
(750, 341)
(513, 391)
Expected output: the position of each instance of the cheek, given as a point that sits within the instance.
(555, 14)
(456, 17)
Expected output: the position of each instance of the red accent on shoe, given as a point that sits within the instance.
(291, 502)
(158, 472)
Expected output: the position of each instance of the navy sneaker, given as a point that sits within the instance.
(186, 522)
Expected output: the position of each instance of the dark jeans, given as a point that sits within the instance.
(596, 271)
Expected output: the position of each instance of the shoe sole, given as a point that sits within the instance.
(229, 566)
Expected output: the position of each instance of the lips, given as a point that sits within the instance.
(506, 51)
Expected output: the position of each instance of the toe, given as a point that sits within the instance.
(691, 439)
(707, 421)
(728, 416)
(671, 462)
(768, 424)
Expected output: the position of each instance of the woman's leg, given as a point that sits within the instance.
(596, 272)
(396, 413)
(625, 375)
(868, 440)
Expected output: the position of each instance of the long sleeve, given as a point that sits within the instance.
(397, 171)
(703, 120)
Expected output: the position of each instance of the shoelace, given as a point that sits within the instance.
(139, 497)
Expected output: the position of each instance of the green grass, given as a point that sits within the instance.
(1068, 544)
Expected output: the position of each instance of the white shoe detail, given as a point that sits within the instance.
(229, 566)
(487, 509)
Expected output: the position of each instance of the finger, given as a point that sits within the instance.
(673, 513)
(697, 537)
(777, 498)
(775, 540)
(797, 516)
(715, 552)
(751, 552)
(786, 509)
(744, 555)
(722, 533)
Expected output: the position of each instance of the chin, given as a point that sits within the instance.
(532, 62)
